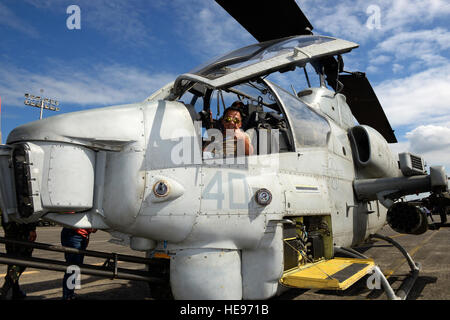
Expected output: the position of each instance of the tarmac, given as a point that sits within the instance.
(430, 249)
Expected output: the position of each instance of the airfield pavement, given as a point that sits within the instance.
(430, 249)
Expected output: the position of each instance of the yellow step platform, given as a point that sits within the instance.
(333, 274)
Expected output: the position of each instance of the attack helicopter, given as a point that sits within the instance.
(322, 178)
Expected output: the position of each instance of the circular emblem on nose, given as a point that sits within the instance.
(161, 188)
(263, 197)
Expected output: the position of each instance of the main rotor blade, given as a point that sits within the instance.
(267, 19)
(364, 104)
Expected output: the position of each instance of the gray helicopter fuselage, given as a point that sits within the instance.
(211, 211)
(139, 141)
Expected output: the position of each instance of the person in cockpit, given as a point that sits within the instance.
(232, 132)
(232, 123)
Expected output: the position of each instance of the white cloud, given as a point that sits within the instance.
(10, 19)
(373, 69)
(95, 86)
(396, 68)
(207, 29)
(121, 20)
(348, 18)
(430, 138)
(423, 98)
(401, 13)
(380, 59)
(426, 46)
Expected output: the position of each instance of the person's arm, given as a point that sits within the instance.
(32, 231)
(33, 235)
(241, 135)
(248, 147)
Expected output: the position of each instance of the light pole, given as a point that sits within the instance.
(0, 120)
(41, 102)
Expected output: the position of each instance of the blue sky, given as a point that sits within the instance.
(125, 50)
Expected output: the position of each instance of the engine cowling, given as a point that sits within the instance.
(373, 157)
(403, 217)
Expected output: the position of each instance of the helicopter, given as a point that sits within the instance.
(321, 180)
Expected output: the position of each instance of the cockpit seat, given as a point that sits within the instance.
(268, 133)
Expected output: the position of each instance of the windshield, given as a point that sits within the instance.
(254, 54)
(310, 128)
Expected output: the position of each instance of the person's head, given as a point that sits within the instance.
(238, 104)
(232, 117)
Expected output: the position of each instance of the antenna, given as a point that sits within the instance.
(306, 76)
(322, 78)
(340, 68)
(41, 102)
(293, 90)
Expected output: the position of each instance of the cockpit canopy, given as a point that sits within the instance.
(253, 54)
(261, 59)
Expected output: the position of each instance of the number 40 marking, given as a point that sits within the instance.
(219, 195)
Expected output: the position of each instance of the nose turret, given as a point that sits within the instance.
(52, 165)
(105, 128)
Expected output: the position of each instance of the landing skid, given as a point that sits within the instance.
(408, 283)
(403, 292)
